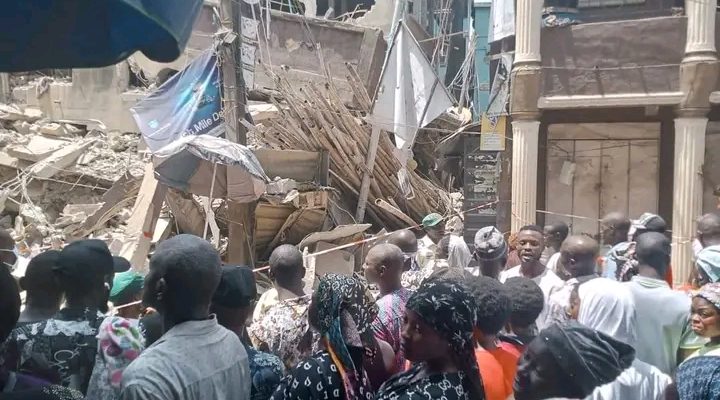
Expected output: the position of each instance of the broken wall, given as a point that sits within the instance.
(571, 54)
(105, 94)
(292, 46)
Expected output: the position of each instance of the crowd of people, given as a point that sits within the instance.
(542, 314)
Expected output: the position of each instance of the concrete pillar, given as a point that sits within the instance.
(525, 92)
(687, 191)
(528, 20)
(700, 29)
(698, 77)
(524, 172)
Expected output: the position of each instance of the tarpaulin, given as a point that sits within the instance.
(188, 104)
(40, 34)
(191, 162)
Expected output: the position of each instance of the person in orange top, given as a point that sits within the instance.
(497, 360)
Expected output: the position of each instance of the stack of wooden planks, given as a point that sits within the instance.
(314, 118)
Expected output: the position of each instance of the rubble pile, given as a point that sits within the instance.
(56, 177)
(315, 119)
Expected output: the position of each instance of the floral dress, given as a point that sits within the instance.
(281, 330)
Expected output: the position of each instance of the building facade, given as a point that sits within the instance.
(620, 112)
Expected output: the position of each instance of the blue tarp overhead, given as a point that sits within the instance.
(40, 34)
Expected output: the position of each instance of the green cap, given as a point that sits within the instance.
(126, 285)
(431, 220)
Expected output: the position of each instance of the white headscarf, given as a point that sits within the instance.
(608, 306)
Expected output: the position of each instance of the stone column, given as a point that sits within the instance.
(687, 191)
(525, 91)
(700, 43)
(528, 18)
(524, 172)
(698, 76)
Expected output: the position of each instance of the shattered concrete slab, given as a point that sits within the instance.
(37, 149)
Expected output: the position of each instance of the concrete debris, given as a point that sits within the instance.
(54, 129)
(59, 160)
(37, 149)
(64, 180)
(120, 142)
(280, 186)
(23, 127)
(11, 113)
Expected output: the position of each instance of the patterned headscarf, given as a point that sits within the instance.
(447, 306)
(490, 244)
(699, 378)
(711, 293)
(119, 343)
(708, 259)
(345, 312)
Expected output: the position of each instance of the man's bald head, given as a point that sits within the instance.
(184, 273)
(405, 240)
(708, 229)
(286, 266)
(653, 249)
(384, 266)
(579, 254)
(387, 254)
(614, 228)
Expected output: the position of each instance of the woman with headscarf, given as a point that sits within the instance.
(708, 265)
(699, 379)
(119, 343)
(705, 319)
(607, 306)
(342, 312)
(438, 339)
(569, 361)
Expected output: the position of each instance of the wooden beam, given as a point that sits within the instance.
(241, 241)
(367, 175)
(141, 224)
(187, 212)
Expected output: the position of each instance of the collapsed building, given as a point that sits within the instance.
(74, 164)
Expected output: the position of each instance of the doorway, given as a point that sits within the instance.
(594, 169)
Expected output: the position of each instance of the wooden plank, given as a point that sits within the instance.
(586, 190)
(644, 176)
(120, 195)
(615, 176)
(141, 224)
(186, 211)
(559, 195)
(241, 226)
(368, 173)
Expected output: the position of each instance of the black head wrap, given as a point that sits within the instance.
(583, 359)
(447, 307)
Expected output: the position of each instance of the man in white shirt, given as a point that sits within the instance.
(196, 358)
(459, 255)
(661, 313)
(531, 244)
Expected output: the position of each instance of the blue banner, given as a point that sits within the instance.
(189, 103)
